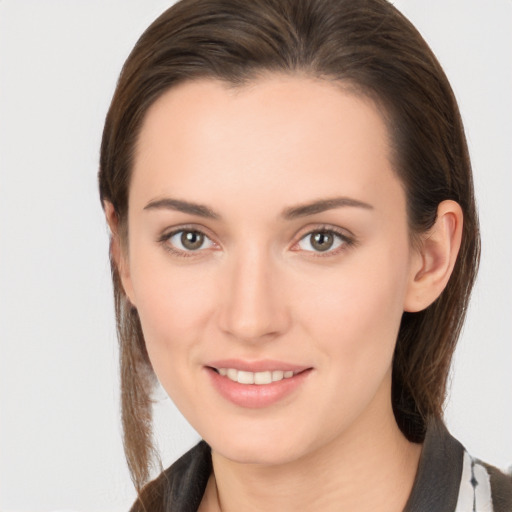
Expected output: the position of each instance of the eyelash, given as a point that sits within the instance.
(164, 240)
(347, 241)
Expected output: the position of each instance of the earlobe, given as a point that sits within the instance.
(117, 251)
(435, 257)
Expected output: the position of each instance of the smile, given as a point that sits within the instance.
(258, 378)
(256, 384)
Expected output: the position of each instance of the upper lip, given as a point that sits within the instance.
(257, 366)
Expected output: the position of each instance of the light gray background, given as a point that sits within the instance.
(60, 444)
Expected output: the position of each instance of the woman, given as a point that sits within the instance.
(294, 242)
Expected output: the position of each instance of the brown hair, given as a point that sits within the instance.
(366, 44)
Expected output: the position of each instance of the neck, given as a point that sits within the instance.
(371, 467)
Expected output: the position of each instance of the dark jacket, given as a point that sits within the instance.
(448, 480)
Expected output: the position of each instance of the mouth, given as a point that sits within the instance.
(256, 384)
(258, 378)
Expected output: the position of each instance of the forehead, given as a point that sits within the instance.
(204, 106)
(309, 134)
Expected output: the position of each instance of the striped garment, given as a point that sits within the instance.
(476, 492)
(448, 480)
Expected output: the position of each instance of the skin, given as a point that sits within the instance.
(257, 288)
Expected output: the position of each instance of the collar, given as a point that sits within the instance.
(437, 483)
(435, 489)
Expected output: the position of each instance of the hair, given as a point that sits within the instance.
(367, 45)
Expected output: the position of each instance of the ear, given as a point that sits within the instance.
(118, 251)
(435, 257)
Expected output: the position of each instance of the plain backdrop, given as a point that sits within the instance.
(60, 437)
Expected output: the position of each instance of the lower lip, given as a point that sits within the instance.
(255, 396)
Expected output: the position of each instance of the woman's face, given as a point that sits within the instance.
(268, 237)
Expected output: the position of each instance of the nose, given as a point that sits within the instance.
(253, 304)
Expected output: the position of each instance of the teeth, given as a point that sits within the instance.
(245, 377)
(262, 377)
(258, 378)
(277, 375)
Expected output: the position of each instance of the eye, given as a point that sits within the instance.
(187, 240)
(323, 240)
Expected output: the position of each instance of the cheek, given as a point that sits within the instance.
(173, 312)
(174, 303)
(354, 313)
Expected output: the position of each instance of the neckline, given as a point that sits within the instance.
(435, 488)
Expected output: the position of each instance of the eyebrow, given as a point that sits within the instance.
(290, 213)
(168, 203)
(322, 205)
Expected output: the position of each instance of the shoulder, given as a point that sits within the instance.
(483, 485)
(501, 488)
(449, 478)
(181, 486)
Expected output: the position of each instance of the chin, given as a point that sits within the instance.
(265, 448)
(253, 453)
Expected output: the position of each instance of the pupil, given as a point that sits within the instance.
(322, 241)
(192, 240)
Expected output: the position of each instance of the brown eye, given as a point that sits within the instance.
(192, 240)
(323, 241)
(187, 240)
